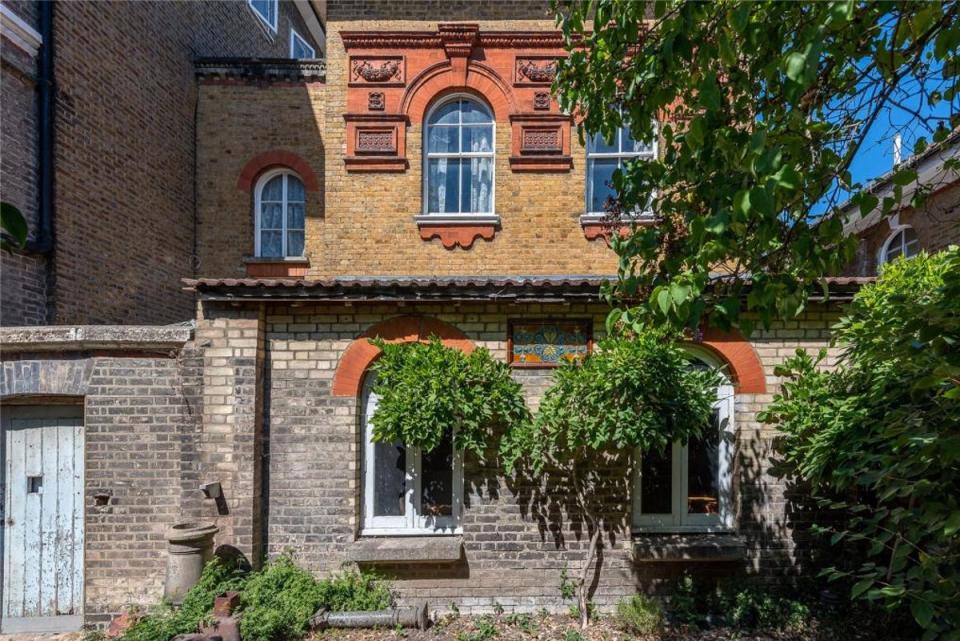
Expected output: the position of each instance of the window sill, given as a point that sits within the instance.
(702, 546)
(457, 230)
(276, 267)
(603, 226)
(414, 548)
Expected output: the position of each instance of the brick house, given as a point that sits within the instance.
(420, 181)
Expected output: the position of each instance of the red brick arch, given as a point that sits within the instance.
(348, 379)
(277, 158)
(745, 367)
(442, 79)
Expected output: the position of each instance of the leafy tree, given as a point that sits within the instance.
(762, 107)
(879, 438)
(427, 389)
(13, 228)
(632, 392)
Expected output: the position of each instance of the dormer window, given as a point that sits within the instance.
(459, 158)
(279, 206)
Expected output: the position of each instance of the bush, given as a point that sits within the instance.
(164, 622)
(639, 614)
(878, 439)
(278, 601)
(735, 604)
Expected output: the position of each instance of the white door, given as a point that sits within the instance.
(42, 516)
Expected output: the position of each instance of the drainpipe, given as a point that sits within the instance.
(43, 243)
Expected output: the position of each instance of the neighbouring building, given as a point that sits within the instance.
(98, 137)
(417, 181)
(933, 224)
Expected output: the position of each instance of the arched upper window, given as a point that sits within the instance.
(406, 490)
(279, 212)
(459, 163)
(604, 158)
(689, 487)
(902, 242)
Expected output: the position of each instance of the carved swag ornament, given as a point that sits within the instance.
(537, 71)
(384, 72)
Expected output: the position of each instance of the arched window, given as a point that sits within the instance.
(689, 487)
(458, 163)
(407, 491)
(902, 242)
(279, 210)
(604, 158)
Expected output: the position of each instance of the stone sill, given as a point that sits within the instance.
(406, 549)
(277, 267)
(659, 548)
(94, 337)
(376, 163)
(457, 231)
(541, 163)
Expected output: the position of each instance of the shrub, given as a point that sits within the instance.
(878, 439)
(732, 603)
(278, 601)
(639, 614)
(164, 622)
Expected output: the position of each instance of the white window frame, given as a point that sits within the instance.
(899, 233)
(257, 209)
(294, 39)
(265, 19)
(412, 523)
(427, 156)
(679, 520)
(621, 156)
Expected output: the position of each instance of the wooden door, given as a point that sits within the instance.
(42, 581)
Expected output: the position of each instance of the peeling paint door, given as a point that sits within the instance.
(42, 516)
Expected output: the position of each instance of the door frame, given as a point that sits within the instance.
(41, 407)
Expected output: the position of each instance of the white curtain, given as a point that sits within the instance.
(480, 178)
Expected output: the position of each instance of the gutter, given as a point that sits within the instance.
(43, 243)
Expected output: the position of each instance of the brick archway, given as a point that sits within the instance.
(277, 158)
(348, 379)
(746, 370)
(442, 79)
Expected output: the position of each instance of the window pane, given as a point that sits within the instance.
(443, 177)
(295, 243)
(295, 216)
(631, 146)
(477, 185)
(437, 484)
(656, 482)
(447, 114)
(389, 479)
(271, 215)
(270, 243)
(910, 242)
(442, 140)
(478, 139)
(475, 112)
(703, 471)
(294, 189)
(596, 144)
(273, 190)
(600, 181)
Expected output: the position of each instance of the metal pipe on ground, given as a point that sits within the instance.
(411, 617)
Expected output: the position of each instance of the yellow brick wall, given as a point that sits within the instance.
(366, 224)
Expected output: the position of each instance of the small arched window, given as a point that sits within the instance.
(689, 486)
(279, 211)
(902, 242)
(459, 163)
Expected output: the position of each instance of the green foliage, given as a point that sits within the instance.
(278, 601)
(572, 635)
(164, 622)
(523, 621)
(735, 604)
(568, 589)
(763, 106)
(485, 628)
(13, 228)
(639, 614)
(878, 439)
(427, 389)
(632, 392)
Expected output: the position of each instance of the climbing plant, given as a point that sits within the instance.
(426, 390)
(636, 391)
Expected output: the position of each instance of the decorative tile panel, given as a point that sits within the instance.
(548, 343)
(540, 140)
(376, 141)
(386, 71)
(535, 70)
